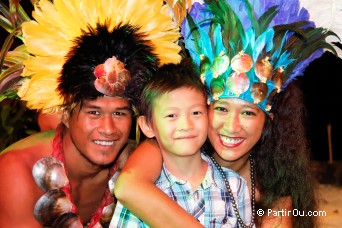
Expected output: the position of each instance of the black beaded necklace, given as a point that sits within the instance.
(241, 223)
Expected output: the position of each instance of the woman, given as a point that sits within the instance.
(255, 113)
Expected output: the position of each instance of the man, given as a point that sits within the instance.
(91, 69)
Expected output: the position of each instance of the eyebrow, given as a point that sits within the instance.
(219, 102)
(93, 106)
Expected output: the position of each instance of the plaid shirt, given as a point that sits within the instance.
(209, 203)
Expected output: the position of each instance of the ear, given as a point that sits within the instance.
(271, 116)
(65, 118)
(145, 127)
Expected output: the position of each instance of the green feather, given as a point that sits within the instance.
(232, 29)
(265, 19)
(194, 33)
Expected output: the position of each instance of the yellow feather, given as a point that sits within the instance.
(57, 24)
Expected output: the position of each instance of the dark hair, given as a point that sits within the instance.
(166, 79)
(282, 157)
(92, 48)
(283, 152)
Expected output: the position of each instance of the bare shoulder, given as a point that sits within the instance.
(41, 139)
(18, 192)
(22, 155)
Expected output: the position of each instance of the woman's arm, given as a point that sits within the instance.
(135, 189)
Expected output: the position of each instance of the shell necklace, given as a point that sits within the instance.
(236, 211)
(56, 208)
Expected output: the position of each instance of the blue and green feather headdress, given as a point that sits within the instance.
(251, 49)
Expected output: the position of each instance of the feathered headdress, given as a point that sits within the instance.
(327, 14)
(82, 49)
(251, 49)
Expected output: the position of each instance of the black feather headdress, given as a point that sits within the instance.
(93, 48)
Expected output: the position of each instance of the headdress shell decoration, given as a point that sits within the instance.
(111, 77)
(251, 49)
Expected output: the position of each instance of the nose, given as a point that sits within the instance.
(232, 123)
(106, 126)
(185, 123)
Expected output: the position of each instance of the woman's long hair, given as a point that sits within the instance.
(282, 157)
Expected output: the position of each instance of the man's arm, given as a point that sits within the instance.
(18, 193)
(135, 189)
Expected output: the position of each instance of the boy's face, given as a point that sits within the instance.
(100, 128)
(180, 122)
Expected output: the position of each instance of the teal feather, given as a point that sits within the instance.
(218, 40)
(252, 17)
(201, 40)
(284, 60)
(250, 44)
(264, 40)
(279, 47)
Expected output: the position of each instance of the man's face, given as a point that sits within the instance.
(100, 128)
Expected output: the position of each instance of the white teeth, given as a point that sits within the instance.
(104, 143)
(229, 140)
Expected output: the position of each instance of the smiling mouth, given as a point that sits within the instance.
(230, 140)
(103, 143)
(187, 137)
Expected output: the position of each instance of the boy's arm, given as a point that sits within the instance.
(135, 189)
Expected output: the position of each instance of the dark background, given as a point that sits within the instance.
(322, 87)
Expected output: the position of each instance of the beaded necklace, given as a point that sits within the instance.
(236, 211)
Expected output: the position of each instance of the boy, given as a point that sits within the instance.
(173, 110)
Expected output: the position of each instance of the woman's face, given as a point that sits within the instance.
(235, 126)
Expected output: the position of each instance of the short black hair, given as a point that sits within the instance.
(168, 78)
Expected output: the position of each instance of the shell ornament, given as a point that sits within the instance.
(111, 77)
(257, 48)
(54, 207)
(49, 173)
(51, 205)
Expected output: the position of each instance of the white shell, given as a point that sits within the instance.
(49, 173)
(51, 205)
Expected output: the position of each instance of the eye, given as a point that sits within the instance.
(93, 113)
(196, 113)
(127, 113)
(220, 109)
(248, 113)
(171, 116)
(118, 114)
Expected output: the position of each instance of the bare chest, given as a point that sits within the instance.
(87, 198)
